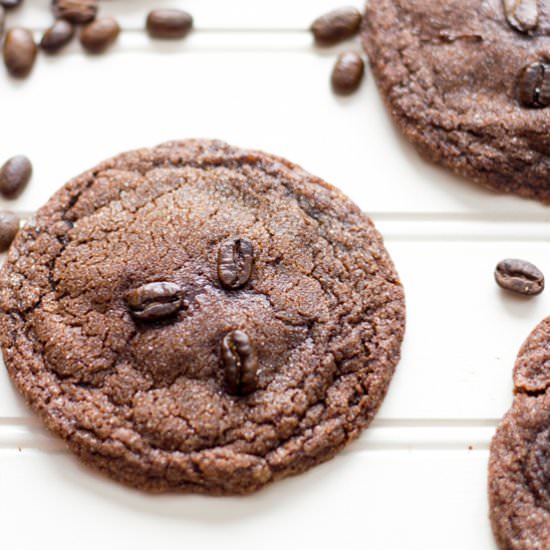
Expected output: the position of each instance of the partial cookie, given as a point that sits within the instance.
(201, 318)
(468, 83)
(519, 470)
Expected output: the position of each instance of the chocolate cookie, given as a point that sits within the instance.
(468, 83)
(519, 470)
(196, 317)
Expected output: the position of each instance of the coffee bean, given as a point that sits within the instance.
(57, 36)
(533, 86)
(75, 11)
(19, 52)
(9, 4)
(154, 301)
(240, 363)
(98, 35)
(235, 259)
(519, 276)
(347, 73)
(14, 176)
(165, 23)
(9, 226)
(336, 25)
(522, 15)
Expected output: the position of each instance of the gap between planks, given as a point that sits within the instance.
(218, 14)
(486, 226)
(384, 435)
(212, 41)
(447, 217)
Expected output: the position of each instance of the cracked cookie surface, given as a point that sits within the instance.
(453, 75)
(519, 469)
(196, 317)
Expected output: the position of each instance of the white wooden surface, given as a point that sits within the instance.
(250, 75)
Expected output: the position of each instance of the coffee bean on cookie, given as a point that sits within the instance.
(522, 15)
(533, 85)
(155, 301)
(240, 363)
(235, 260)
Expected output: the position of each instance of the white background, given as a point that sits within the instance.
(250, 75)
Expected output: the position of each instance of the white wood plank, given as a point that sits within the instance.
(218, 14)
(463, 332)
(420, 500)
(90, 108)
(445, 227)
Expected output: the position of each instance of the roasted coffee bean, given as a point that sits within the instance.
(235, 259)
(75, 11)
(14, 176)
(9, 226)
(336, 25)
(154, 301)
(9, 4)
(98, 35)
(522, 15)
(519, 276)
(534, 85)
(240, 363)
(57, 36)
(347, 73)
(19, 52)
(165, 23)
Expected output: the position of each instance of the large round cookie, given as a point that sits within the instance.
(519, 470)
(453, 74)
(201, 318)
